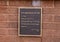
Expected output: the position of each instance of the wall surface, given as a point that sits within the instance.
(8, 21)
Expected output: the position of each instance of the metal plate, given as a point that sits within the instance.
(29, 21)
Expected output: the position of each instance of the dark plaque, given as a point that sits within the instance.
(30, 21)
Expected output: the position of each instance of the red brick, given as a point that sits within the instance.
(32, 39)
(11, 39)
(49, 33)
(57, 26)
(47, 18)
(48, 10)
(6, 17)
(12, 17)
(49, 39)
(57, 33)
(47, 4)
(3, 17)
(12, 10)
(3, 24)
(2, 38)
(52, 30)
(57, 18)
(12, 25)
(49, 26)
(54, 11)
(57, 11)
(3, 3)
(57, 4)
(56, 40)
(3, 31)
(12, 32)
(3, 10)
(20, 3)
(8, 24)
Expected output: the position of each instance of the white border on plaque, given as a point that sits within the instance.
(19, 21)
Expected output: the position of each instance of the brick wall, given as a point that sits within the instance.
(8, 21)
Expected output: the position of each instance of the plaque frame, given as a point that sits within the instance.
(19, 21)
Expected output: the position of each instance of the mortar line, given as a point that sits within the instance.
(53, 3)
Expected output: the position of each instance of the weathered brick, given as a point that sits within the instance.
(12, 17)
(3, 17)
(12, 25)
(7, 17)
(49, 26)
(8, 24)
(3, 10)
(11, 39)
(56, 40)
(47, 18)
(47, 4)
(2, 38)
(49, 33)
(12, 31)
(52, 30)
(49, 39)
(32, 39)
(3, 31)
(57, 4)
(3, 3)
(54, 11)
(20, 3)
(3, 24)
(57, 26)
(57, 33)
(48, 10)
(56, 18)
(11, 10)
